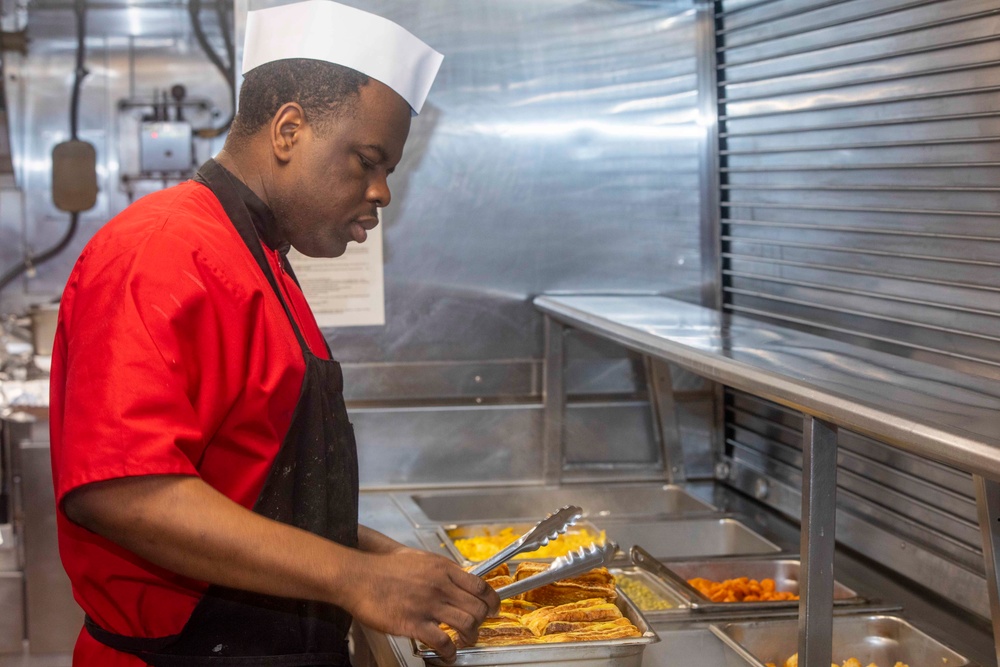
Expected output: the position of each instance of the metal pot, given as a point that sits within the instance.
(43, 327)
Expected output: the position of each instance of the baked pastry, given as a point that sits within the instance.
(555, 627)
(500, 581)
(600, 632)
(596, 609)
(516, 608)
(596, 583)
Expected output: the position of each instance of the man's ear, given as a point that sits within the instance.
(286, 130)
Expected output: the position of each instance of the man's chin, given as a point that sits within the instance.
(327, 250)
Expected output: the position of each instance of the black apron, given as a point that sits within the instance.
(312, 484)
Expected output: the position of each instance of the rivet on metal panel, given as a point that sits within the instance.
(721, 470)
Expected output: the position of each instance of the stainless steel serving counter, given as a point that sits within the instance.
(403, 515)
(924, 409)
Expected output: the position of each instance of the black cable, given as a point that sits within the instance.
(28, 263)
(227, 71)
(222, 11)
(80, 8)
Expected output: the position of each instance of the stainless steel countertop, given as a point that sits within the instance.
(944, 415)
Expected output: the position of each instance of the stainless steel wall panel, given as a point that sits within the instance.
(416, 382)
(610, 434)
(560, 150)
(431, 446)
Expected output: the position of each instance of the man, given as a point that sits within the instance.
(204, 466)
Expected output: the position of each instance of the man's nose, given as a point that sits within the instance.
(378, 192)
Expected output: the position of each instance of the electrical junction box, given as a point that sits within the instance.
(165, 146)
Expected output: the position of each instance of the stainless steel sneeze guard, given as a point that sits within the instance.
(925, 409)
(943, 415)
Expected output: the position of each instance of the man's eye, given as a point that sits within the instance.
(365, 162)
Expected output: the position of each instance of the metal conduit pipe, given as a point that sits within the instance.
(31, 261)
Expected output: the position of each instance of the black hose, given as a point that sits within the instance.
(227, 71)
(29, 262)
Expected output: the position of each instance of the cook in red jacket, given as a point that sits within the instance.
(205, 468)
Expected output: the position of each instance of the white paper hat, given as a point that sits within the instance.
(326, 30)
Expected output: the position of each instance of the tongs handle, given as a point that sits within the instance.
(642, 558)
(546, 529)
(563, 567)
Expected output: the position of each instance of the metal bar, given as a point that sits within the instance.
(859, 313)
(554, 397)
(869, 102)
(863, 145)
(864, 209)
(857, 18)
(885, 55)
(858, 230)
(879, 35)
(868, 294)
(910, 120)
(708, 159)
(865, 251)
(664, 408)
(983, 64)
(988, 503)
(862, 334)
(860, 167)
(875, 274)
(745, 8)
(817, 541)
(798, 11)
(858, 188)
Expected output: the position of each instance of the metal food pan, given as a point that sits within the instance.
(784, 572)
(690, 538)
(626, 652)
(655, 585)
(450, 533)
(871, 638)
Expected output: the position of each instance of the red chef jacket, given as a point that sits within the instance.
(172, 356)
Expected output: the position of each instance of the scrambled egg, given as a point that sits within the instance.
(483, 546)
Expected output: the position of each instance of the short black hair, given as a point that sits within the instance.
(324, 90)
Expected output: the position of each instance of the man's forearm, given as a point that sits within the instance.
(184, 525)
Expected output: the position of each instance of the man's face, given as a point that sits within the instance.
(329, 191)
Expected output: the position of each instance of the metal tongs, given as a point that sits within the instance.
(574, 563)
(547, 529)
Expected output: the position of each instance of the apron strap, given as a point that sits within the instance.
(131, 645)
(210, 174)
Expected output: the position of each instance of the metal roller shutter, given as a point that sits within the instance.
(860, 199)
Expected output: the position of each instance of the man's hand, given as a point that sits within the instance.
(409, 592)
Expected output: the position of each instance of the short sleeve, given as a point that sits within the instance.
(140, 377)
